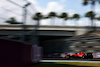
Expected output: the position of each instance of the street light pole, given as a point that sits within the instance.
(92, 9)
(35, 37)
(92, 16)
(92, 2)
(36, 32)
(24, 21)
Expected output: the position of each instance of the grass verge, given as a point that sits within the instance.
(80, 64)
(67, 64)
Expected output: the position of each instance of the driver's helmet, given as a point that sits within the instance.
(77, 53)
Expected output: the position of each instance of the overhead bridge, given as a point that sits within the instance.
(50, 37)
(45, 32)
(46, 29)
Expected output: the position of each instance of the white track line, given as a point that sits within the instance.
(69, 61)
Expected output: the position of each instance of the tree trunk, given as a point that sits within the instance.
(53, 20)
(92, 16)
(77, 24)
(49, 21)
(62, 22)
(38, 23)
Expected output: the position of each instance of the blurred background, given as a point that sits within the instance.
(58, 26)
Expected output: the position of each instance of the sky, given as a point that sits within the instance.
(7, 10)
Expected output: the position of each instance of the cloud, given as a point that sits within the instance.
(70, 12)
(85, 22)
(56, 6)
(63, 1)
(97, 9)
(45, 22)
(97, 23)
(35, 5)
(7, 10)
(56, 21)
(53, 6)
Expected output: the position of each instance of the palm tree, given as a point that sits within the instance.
(12, 20)
(52, 15)
(76, 17)
(38, 16)
(92, 2)
(45, 17)
(98, 18)
(64, 16)
(89, 14)
(85, 2)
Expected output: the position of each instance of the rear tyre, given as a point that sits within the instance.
(91, 57)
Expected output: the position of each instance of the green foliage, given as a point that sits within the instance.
(37, 16)
(66, 18)
(98, 18)
(12, 20)
(85, 2)
(63, 15)
(45, 17)
(89, 14)
(70, 18)
(67, 64)
(52, 14)
(76, 16)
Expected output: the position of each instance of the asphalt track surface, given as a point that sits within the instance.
(70, 60)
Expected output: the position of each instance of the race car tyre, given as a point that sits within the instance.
(91, 57)
(83, 57)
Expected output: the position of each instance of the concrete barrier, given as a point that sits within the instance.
(16, 54)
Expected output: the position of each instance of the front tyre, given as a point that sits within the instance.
(68, 57)
(83, 57)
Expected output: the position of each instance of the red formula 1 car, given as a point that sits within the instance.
(80, 55)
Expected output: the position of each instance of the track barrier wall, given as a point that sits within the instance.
(17, 54)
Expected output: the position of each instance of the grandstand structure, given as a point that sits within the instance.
(89, 42)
